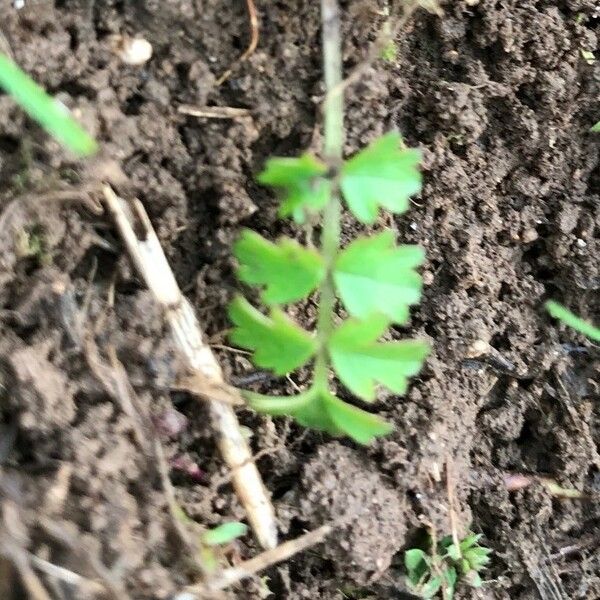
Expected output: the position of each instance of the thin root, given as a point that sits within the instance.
(59, 533)
(253, 18)
(69, 577)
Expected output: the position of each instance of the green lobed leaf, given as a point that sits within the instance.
(477, 559)
(321, 410)
(454, 552)
(470, 540)
(595, 128)
(558, 311)
(417, 564)
(360, 425)
(382, 175)
(278, 344)
(372, 275)
(415, 559)
(307, 408)
(287, 270)
(223, 534)
(361, 362)
(305, 188)
(464, 566)
(432, 587)
(446, 542)
(51, 114)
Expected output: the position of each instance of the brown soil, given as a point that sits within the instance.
(500, 99)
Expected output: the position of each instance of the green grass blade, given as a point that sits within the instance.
(558, 311)
(53, 116)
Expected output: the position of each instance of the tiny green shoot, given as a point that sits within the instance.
(563, 314)
(51, 114)
(595, 128)
(211, 540)
(389, 52)
(224, 533)
(445, 566)
(31, 243)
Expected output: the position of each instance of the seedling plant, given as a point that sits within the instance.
(214, 539)
(374, 279)
(446, 565)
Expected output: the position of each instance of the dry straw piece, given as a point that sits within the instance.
(150, 261)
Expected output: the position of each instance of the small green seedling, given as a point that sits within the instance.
(445, 566)
(51, 114)
(389, 52)
(31, 243)
(558, 311)
(374, 279)
(595, 128)
(224, 534)
(212, 539)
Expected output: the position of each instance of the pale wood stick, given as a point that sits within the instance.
(213, 112)
(251, 567)
(149, 259)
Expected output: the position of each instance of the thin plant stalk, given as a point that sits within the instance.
(333, 146)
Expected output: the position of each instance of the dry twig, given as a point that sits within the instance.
(214, 112)
(31, 582)
(149, 259)
(115, 383)
(251, 567)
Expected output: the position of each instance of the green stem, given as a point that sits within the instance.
(333, 145)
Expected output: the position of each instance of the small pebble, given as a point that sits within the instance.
(185, 464)
(170, 423)
(134, 51)
(529, 235)
(581, 243)
(427, 277)
(477, 348)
